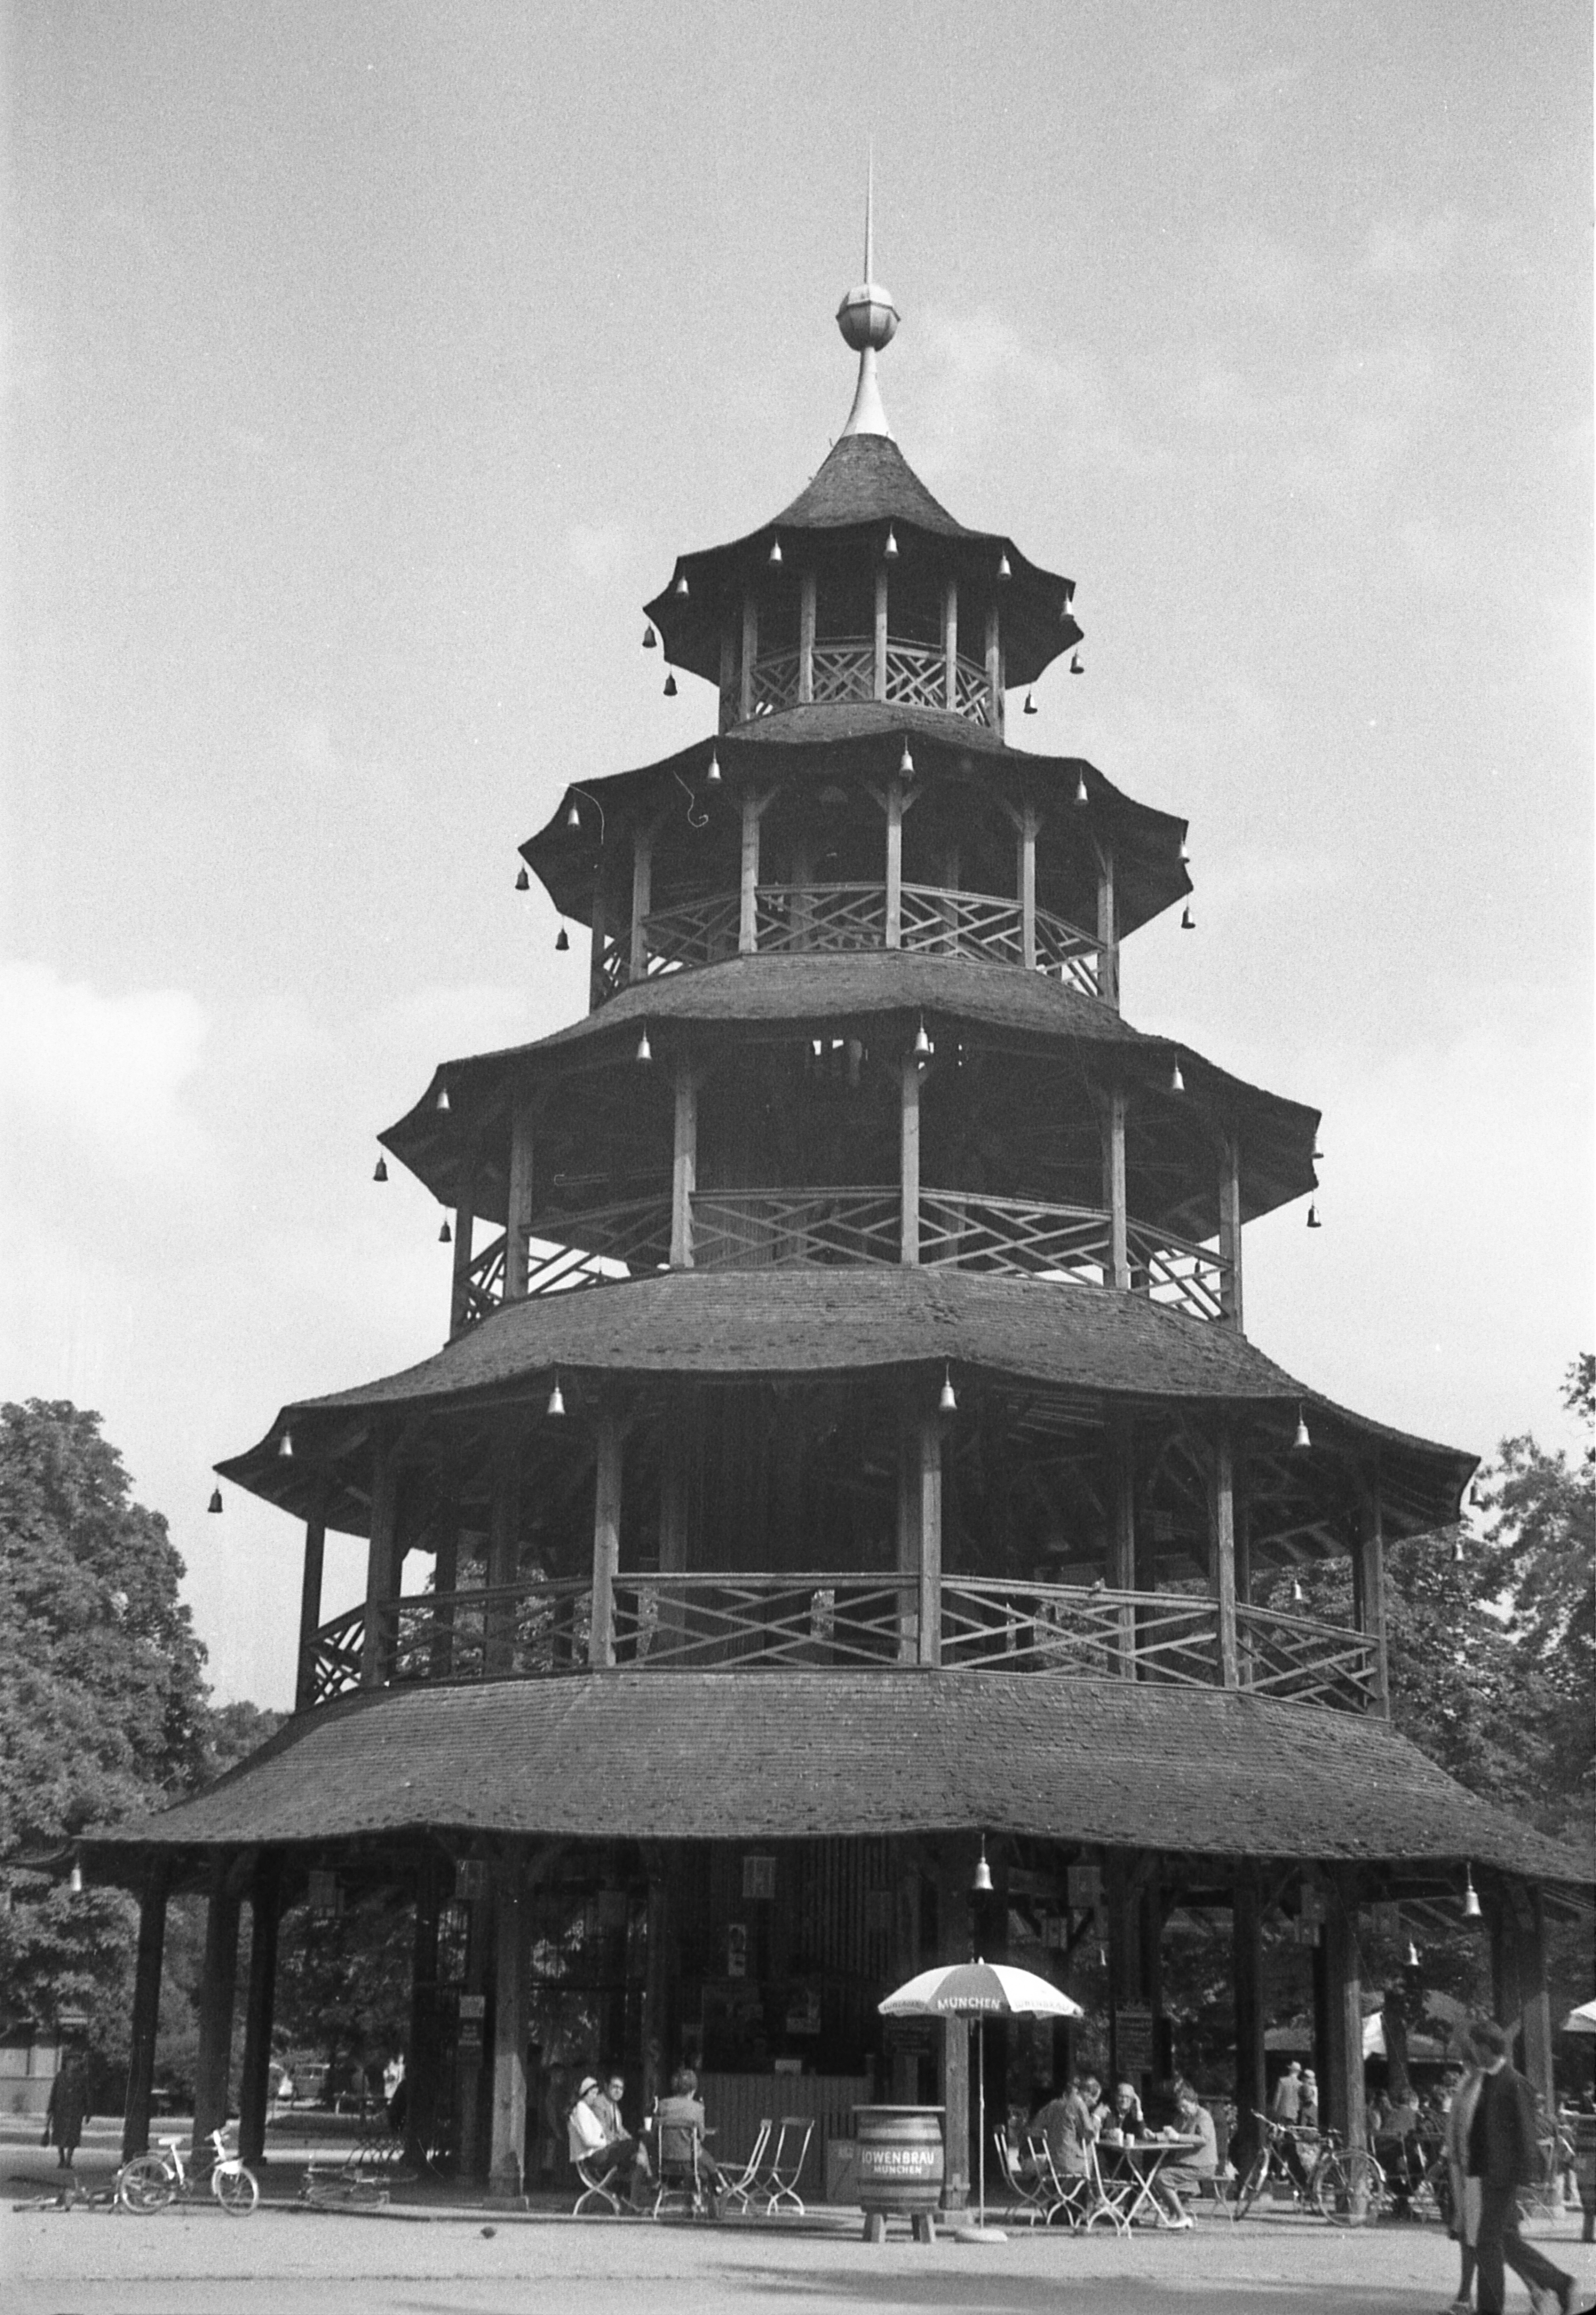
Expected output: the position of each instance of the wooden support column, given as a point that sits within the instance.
(1222, 1544)
(894, 930)
(468, 2056)
(1108, 937)
(520, 1209)
(994, 671)
(596, 954)
(950, 646)
(1247, 1979)
(147, 2008)
(1113, 1189)
(929, 1525)
(909, 1539)
(806, 637)
(1124, 1948)
(1122, 1546)
(748, 910)
(1150, 1927)
(310, 1607)
(909, 1161)
(461, 1254)
(217, 1992)
(507, 2134)
(1368, 1587)
(642, 867)
(750, 652)
(730, 684)
(504, 1561)
(659, 2023)
(683, 1166)
(1341, 2095)
(1244, 1573)
(879, 675)
(1230, 1231)
(445, 1579)
(1027, 883)
(254, 2085)
(1519, 1996)
(607, 1541)
(382, 1563)
(955, 1870)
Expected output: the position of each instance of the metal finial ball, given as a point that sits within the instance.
(868, 317)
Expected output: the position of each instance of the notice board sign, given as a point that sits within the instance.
(1133, 2039)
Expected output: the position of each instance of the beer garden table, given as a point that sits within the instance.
(1141, 2159)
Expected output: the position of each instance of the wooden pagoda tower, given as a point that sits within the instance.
(847, 1448)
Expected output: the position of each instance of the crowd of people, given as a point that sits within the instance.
(598, 2138)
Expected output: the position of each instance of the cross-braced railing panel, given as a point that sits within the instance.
(1054, 1628)
(1310, 1662)
(737, 1230)
(1172, 1270)
(836, 918)
(525, 1631)
(484, 1282)
(758, 1622)
(843, 667)
(1014, 1235)
(336, 1655)
(609, 1242)
(701, 931)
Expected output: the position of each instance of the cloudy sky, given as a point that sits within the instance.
(369, 366)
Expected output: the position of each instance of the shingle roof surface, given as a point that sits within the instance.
(866, 478)
(768, 1756)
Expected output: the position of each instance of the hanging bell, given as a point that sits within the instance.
(775, 552)
(947, 1404)
(523, 882)
(556, 1400)
(1301, 1440)
(680, 587)
(1177, 1083)
(645, 1052)
(285, 1448)
(1458, 1553)
(1297, 1594)
(446, 1235)
(562, 941)
(215, 1505)
(1080, 789)
(905, 764)
(443, 1100)
(573, 818)
(1030, 705)
(650, 641)
(922, 1044)
(1412, 1955)
(1003, 570)
(1471, 1904)
(381, 1174)
(713, 776)
(74, 1880)
(981, 1886)
(1075, 664)
(1313, 1219)
(1188, 921)
(670, 687)
(890, 549)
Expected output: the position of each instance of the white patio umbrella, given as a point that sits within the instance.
(979, 1989)
(1581, 2021)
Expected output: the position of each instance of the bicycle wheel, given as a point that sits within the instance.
(236, 2188)
(144, 2186)
(1348, 2188)
(1252, 2186)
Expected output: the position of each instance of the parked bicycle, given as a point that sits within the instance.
(149, 2182)
(1343, 2183)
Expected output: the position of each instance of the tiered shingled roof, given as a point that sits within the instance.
(774, 1756)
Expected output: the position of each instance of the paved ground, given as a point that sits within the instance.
(200, 2262)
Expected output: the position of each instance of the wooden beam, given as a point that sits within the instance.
(993, 669)
(879, 686)
(950, 645)
(909, 1160)
(1121, 1542)
(806, 636)
(218, 1993)
(521, 1202)
(683, 1166)
(1247, 1978)
(596, 991)
(508, 2129)
(1368, 1587)
(146, 2020)
(1230, 1230)
(750, 652)
(607, 1541)
(1108, 937)
(909, 1537)
(1222, 1538)
(1027, 882)
(382, 1562)
(1113, 1189)
(728, 676)
(930, 1539)
(504, 1553)
(748, 912)
(643, 862)
(461, 1251)
(254, 2085)
(894, 930)
(310, 1605)
(1341, 2091)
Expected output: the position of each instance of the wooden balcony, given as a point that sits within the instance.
(831, 1621)
(845, 919)
(823, 1227)
(845, 668)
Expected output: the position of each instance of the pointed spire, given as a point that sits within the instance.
(867, 318)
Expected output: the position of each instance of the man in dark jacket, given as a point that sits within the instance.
(1503, 2156)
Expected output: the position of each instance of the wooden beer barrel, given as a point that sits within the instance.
(899, 2166)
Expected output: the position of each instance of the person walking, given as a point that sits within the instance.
(68, 2111)
(1465, 2190)
(1502, 2155)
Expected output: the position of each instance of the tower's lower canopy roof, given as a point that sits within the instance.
(1088, 1344)
(776, 1756)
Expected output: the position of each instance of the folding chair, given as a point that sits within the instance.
(742, 2189)
(779, 2183)
(1108, 2197)
(1067, 2194)
(681, 2172)
(1030, 2198)
(599, 2176)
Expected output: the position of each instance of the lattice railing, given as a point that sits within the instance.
(589, 1249)
(1313, 1663)
(484, 1283)
(750, 1229)
(702, 931)
(750, 1622)
(943, 922)
(758, 1622)
(837, 918)
(1055, 1628)
(1172, 1270)
(843, 667)
(1012, 1235)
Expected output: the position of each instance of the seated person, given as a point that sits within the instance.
(590, 2139)
(1397, 2151)
(684, 2108)
(1068, 2123)
(1198, 2163)
(1127, 2116)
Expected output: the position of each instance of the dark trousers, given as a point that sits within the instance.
(1499, 2245)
